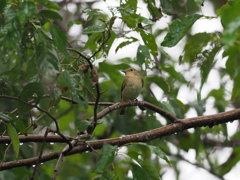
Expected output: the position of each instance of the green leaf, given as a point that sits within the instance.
(143, 55)
(65, 80)
(32, 91)
(150, 168)
(155, 12)
(26, 11)
(49, 4)
(110, 41)
(130, 4)
(230, 163)
(3, 3)
(14, 138)
(139, 173)
(178, 29)
(194, 46)
(59, 38)
(149, 41)
(50, 14)
(82, 125)
(94, 29)
(208, 63)
(5, 118)
(125, 43)
(160, 153)
(236, 89)
(106, 158)
(229, 12)
(231, 34)
(167, 7)
(161, 82)
(93, 40)
(170, 70)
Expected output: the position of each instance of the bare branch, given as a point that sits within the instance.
(195, 122)
(148, 105)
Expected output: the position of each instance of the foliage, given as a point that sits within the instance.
(40, 64)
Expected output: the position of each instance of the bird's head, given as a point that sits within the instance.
(130, 72)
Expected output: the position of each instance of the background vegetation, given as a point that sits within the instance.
(48, 78)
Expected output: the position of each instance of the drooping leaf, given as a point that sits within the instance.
(149, 41)
(143, 55)
(59, 38)
(14, 138)
(208, 63)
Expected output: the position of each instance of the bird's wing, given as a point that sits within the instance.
(142, 82)
(123, 86)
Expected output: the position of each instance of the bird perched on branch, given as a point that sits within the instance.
(131, 86)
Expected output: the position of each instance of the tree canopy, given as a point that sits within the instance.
(60, 89)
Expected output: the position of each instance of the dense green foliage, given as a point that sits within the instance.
(38, 66)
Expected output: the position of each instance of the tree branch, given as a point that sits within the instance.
(148, 105)
(188, 123)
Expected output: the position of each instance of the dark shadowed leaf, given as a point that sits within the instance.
(139, 173)
(51, 14)
(59, 38)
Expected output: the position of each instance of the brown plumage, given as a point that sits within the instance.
(131, 86)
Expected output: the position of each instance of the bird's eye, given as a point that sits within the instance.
(131, 69)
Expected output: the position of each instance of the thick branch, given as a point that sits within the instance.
(139, 137)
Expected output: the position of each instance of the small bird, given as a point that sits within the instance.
(131, 86)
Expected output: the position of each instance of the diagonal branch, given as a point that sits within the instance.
(188, 123)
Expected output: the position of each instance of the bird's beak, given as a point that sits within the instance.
(124, 71)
